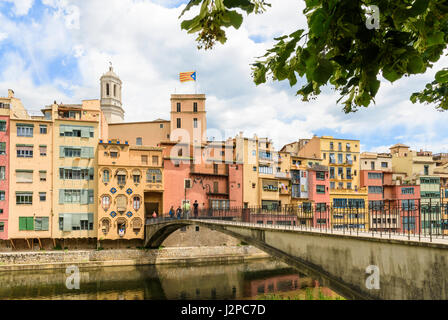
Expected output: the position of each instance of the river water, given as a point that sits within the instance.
(256, 279)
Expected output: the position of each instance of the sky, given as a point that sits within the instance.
(58, 49)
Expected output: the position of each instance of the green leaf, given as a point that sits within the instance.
(235, 18)
(442, 76)
(436, 38)
(419, 7)
(323, 71)
(190, 5)
(390, 74)
(415, 65)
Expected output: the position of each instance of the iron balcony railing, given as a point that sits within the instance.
(401, 219)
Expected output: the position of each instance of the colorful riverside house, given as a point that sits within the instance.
(203, 174)
(5, 104)
(418, 167)
(319, 195)
(77, 129)
(30, 172)
(130, 189)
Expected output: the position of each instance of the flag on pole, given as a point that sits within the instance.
(187, 76)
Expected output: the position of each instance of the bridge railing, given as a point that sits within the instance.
(410, 218)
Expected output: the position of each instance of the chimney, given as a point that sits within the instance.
(10, 93)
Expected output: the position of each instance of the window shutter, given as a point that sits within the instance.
(91, 172)
(61, 153)
(92, 152)
(45, 224)
(30, 223)
(67, 222)
(84, 196)
(76, 220)
(85, 152)
(61, 196)
(85, 132)
(91, 195)
(90, 218)
(22, 223)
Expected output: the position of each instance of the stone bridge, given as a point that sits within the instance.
(404, 269)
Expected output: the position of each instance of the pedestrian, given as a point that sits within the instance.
(186, 210)
(154, 215)
(171, 212)
(195, 208)
(179, 212)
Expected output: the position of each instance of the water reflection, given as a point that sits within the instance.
(212, 281)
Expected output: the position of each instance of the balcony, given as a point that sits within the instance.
(283, 175)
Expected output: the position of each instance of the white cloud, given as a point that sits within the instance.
(21, 7)
(3, 36)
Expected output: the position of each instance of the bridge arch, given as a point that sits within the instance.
(157, 233)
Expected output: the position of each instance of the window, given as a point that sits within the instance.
(155, 160)
(2, 227)
(254, 169)
(215, 187)
(332, 185)
(76, 131)
(43, 151)
(372, 165)
(178, 107)
(41, 224)
(320, 189)
(324, 156)
(25, 130)
(349, 185)
(72, 152)
(331, 172)
(121, 179)
(2, 148)
(161, 126)
(331, 146)
(375, 189)
(75, 221)
(2, 195)
(106, 176)
(2, 125)
(340, 158)
(136, 203)
(122, 203)
(107, 89)
(43, 129)
(114, 154)
(265, 170)
(349, 173)
(195, 123)
(407, 190)
(136, 178)
(348, 146)
(144, 159)
(178, 123)
(76, 173)
(24, 176)
(105, 202)
(426, 168)
(320, 175)
(115, 90)
(24, 151)
(339, 146)
(139, 141)
(195, 107)
(26, 223)
(348, 159)
(407, 205)
(24, 198)
(42, 196)
(332, 158)
(384, 165)
(153, 176)
(375, 175)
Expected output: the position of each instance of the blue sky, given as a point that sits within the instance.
(58, 49)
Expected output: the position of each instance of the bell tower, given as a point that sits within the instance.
(111, 97)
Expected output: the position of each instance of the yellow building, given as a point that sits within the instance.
(130, 188)
(30, 172)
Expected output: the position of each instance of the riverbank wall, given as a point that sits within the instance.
(17, 261)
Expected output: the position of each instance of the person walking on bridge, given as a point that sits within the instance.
(196, 209)
(178, 212)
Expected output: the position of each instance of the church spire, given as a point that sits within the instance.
(111, 104)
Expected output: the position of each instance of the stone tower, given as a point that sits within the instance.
(111, 97)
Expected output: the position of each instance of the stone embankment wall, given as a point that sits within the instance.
(10, 261)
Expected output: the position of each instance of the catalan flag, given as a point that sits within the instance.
(187, 76)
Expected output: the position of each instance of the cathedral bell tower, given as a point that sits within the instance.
(111, 97)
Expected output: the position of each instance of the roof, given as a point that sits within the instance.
(399, 145)
(138, 122)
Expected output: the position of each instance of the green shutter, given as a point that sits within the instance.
(62, 129)
(45, 224)
(91, 195)
(91, 172)
(76, 220)
(22, 223)
(84, 196)
(90, 217)
(30, 223)
(38, 224)
(67, 226)
(92, 152)
(61, 152)
(61, 196)
(84, 216)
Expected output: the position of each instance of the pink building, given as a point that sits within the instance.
(373, 181)
(213, 185)
(319, 194)
(4, 176)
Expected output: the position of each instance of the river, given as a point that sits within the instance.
(256, 279)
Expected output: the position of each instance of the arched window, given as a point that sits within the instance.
(121, 177)
(153, 176)
(121, 203)
(136, 176)
(105, 202)
(105, 225)
(179, 153)
(106, 176)
(107, 89)
(136, 203)
(137, 224)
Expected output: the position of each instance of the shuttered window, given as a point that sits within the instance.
(25, 130)
(76, 152)
(24, 176)
(2, 227)
(121, 203)
(2, 148)
(24, 151)
(76, 131)
(43, 150)
(43, 175)
(75, 221)
(77, 196)
(2, 125)
(76, 173)
(153, 176)
(41, 224)
(26, 223)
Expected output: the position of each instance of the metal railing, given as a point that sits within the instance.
(417, 220)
